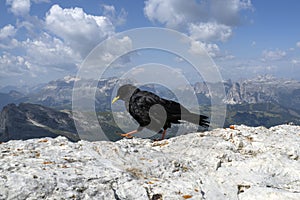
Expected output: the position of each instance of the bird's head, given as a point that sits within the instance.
(124, 93)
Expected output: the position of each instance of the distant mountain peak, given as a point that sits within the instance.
(69, 79)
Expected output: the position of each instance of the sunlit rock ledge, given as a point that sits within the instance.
(235, 163)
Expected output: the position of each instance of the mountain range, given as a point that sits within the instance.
(262, 89)
(264, 100)
(26, 121)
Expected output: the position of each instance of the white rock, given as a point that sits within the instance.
(241, 163)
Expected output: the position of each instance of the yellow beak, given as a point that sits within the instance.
(115, 99)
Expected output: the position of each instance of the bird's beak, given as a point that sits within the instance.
(115, 99)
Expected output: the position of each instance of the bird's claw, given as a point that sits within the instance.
(126, 135)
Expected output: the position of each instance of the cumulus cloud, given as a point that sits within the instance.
(176, 13)
(19, 7)
(273, 55)
(57, 44)
(42, 56)
(117, 18)
(228, 11)
(15, 69)
(210, 31)
(108, 51)
(7, 31)
(201, 48)
(50, 52)
(22, 7)
(208, 21)
(12, 65)
(6, 37)
(124, 46)
(79, 30)
(298, 44)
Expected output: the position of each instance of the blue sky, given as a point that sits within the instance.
(42, 40)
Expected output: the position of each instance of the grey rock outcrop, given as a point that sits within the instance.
(240, 163)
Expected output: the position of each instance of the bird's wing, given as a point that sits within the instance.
(146, 109)
(139, 113)
(172, 107)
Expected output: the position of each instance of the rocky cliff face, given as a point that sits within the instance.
(34, 121)
(262, 89)
(235, 164)
(265, 90)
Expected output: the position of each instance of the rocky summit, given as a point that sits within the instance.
(239, 162)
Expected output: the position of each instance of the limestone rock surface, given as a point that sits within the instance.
(236, 163)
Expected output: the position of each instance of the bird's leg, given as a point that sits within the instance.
(163, 134)
(129, 134)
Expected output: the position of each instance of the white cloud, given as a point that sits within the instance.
(12, 65)
(213, 50)
(7, 34)
(109, 8)
(9, 44)
(173, 13)
(42, 56)
(7, 31)
(295, 62)
(79, 30)
(19, 7)
(57, 44)
(208, 21)
(19, 70)
(210, 31)
(273, 55)
(117, 18)
(298, 44)
(22, 7)
(176, 13)
(112, 47)
(47, 51)
(201, 48)
(228, 11)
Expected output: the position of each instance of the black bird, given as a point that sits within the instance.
(153, 112)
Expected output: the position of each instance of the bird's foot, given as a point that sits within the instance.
(127, 135)
(158, 139)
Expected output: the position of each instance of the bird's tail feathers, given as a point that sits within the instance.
(200, 120)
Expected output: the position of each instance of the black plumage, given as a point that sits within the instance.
(154, 112)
